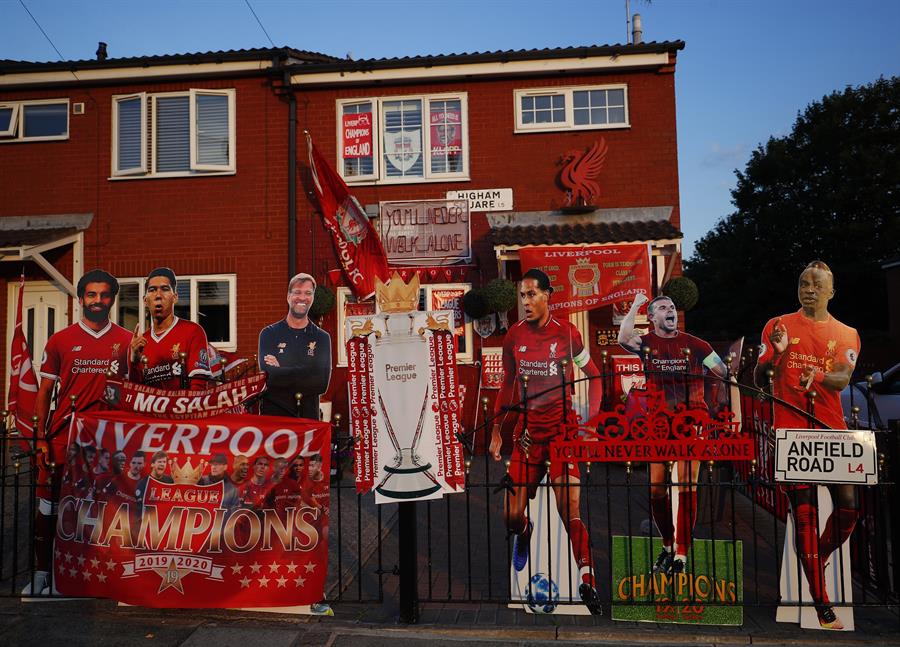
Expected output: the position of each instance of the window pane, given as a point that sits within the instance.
(527, 117)
(402, 138)
(29, 329)
(617, 115)
(616, 97)
(173, 137)
(542, 102)
(127, 305)
(46, 119)
(527, 103)
(51, 321)
(559, 101)
(5, 118)
(183, 305)
(581, 117)
(129, 134)
(598, 115)
(580, 99)
(543, 117)
(358, 139)
(598, 98)
(212, 129)
(212, 310)
(445, 119)
(559, 116)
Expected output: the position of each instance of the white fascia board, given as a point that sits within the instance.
(131, 73)
(545, 66)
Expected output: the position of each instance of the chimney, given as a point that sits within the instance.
(637, 30)
(101, 51)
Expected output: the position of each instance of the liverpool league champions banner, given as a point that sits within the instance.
(404, 405)
(227, 511)
(591, 276)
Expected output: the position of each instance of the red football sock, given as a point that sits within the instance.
(687, 515)
(807, 544)
(581, 548)
(661, 512)
(44, 530)
(838, 529)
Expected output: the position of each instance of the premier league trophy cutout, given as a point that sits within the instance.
(400, 378)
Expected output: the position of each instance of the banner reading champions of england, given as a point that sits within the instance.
(404, 405)
(227, 511)
(591, 276)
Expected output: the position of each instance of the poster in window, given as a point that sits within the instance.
(403, 148)
(451, 299)
(492, 375)
(446, 131)
(357, 130)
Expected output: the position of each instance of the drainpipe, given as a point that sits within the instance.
(292, 176)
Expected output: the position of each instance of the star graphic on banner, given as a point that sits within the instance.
(68, 557)
(310, 567)
(95, 562)
(281, 581)
(57, 553)
(273, 567)
(73, 572)
(245, 582)
(171, 577)
(300, 581)
(111, 564)
(291, 567)
(236, 568)
(264, 581)
(101, 577)
(81, 560)
(86, 575)
(255, 566)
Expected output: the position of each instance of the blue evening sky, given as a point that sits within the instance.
(748, 68)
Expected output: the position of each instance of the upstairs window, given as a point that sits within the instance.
(576, 108)
(393, 140)
(174, 134)
(44, 120)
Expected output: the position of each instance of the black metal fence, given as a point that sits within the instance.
(458, 548)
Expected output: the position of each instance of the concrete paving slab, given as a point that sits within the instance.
(230, 636)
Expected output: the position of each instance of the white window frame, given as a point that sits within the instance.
(16, 130)
(229, 345)
(148, 136)
(377, 176)
(568, 93)
(343, 294)
(142, 169)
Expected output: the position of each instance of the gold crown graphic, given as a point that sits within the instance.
(397, 296)
(187, 473)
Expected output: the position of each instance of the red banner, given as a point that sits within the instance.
(589, 277)
(361, 384)
(183, 404)
(23, 386)
(357, 135)
(356, 242)
(228, 511)
(446, 407)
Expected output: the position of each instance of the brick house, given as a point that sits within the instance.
(198, 162)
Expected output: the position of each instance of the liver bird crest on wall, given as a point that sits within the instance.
(579, 172)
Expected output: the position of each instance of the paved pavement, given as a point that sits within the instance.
(102, 623)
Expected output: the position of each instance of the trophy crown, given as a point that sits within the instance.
(187, 473)
(397, 295)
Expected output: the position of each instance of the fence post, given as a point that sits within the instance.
(409, 595)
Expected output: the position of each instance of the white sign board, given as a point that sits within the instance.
(425, 232)
(825, 456)
(485, 199)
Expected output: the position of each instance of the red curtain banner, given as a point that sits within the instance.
(228, 511)
(589, 277)
(180, 405)
(23, 385)
(356, 242)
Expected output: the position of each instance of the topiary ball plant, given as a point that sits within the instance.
(323, 302)
(683, 292)
(475, 304)
(500, 295)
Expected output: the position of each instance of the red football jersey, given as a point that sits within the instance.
(537, 352)
(822, 344)
(253, 495)
(163, 368)
(121, 489)
(287, 494)
(79, 358)
(669, 366)
(319, 492)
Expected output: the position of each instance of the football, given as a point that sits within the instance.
(542, 594)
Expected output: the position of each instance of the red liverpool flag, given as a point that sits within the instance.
(23, 385)
(356, 242)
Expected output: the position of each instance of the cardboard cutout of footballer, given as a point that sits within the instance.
(226, 511)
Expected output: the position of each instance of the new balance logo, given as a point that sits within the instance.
(75, 349)
(522, 349)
